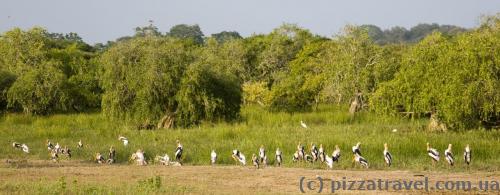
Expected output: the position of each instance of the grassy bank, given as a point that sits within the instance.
(330, 125)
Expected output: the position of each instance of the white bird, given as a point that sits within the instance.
(54, 156)
(262, 155)
(300, 151)
(314, 152)
(336, 154)
(57, 147)
(449, 156)
(303, 124)
(394, 130)
(296, 156)
(80, 144)
(178, 151)
(49, 145)
(16, 145)
(25, 148)
(99, 158)
(467, 155)
(111, 155)
(279, 157)
(238, 156)
(362, 161)
(433, 153)
(329, 161)
(139, 157)
(164, 160)
(356, 149)
(321, 153)
(213, 157)
(255, 161)
(387, 155)
(123, 139)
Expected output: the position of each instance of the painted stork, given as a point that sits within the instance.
(50, 146)
(80, 144)
(123, 139)
(16, 145)
(362, 161)
(57, 148)
(213, 157)
(111, 155)
(25, 148)
(66, 151)
(279, 157)
(262, 155)
(387, 155)
(255, 161)
(164, 160)
(321, 153)
(99, 158)
(329, 161)
(296, 156)
(303, 124)
(433, 153)
(449, 155)
(300, 151)
(467, 155)
(336, 154)
(54, 156)
(139, 157)
(178, 151)
(314, 152)
(356, 149)
(239, 157)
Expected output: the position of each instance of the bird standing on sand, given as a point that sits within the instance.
(178, 151)
(99, 158)
(123, 139)
(164, 160)
(66, 151)
(213, 157)
(262, 155)
(57, 148)
(54, 156)
(139, 157)
(255, 161)
(448, 154)
(362, 161)
(467, 155)
(279, 157)
(387, 155)
(433, 153)
(111, 155)
(296, 156)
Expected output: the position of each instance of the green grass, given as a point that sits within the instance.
(329, 125)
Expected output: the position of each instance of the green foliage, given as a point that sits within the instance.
(148, 78)
(226, 36)
(184, 31)
(456, 77)
(6, 80)
(256, 93)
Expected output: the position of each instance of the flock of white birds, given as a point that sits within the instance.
(316, 154)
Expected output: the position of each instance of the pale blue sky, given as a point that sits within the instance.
(102, 20)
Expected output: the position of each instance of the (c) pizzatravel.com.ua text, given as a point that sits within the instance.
(331, 185)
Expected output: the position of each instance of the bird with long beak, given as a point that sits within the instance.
(255, 161)
(99, 158)
(300, 151)
(321, 153)
(178, 151)
(467, 155)
(314, 152)
(362, 161)
(357, 149)
(449, 155)
(213, 157)
(262, 155)
(336, 154)
(387, 155)
(239, 157)
(80, 144)
(50, 146)
(433, 153)
(279, 157)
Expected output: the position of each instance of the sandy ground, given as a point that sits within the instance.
(237, 179)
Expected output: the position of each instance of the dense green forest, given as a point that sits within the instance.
(181, 77)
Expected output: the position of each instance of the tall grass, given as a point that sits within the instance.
(329, 125)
